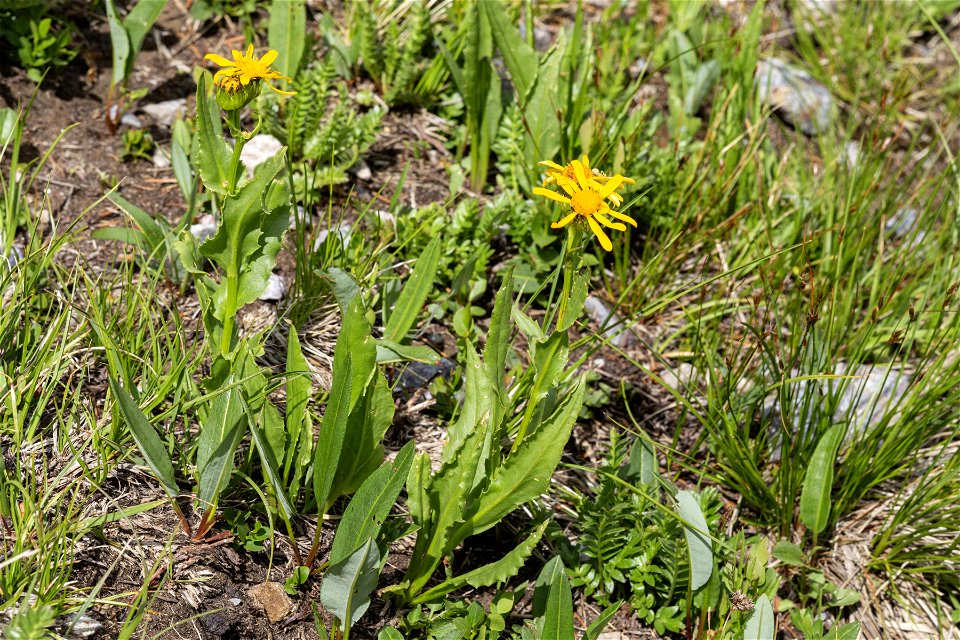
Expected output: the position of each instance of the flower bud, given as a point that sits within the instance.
(233, 95)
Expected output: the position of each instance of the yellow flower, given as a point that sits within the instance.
(247, 68)
(556, 173)
(586, 199)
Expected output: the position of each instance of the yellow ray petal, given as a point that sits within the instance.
(601, 236)
(269, 57)
(280, 91)
(567, 185)
(249, 51)
(581, 176)
(564, 221)
(619, 226)
(552, 165)
(611, 186)
(621, 216)
(553, 195)
(236, 55)
(220, 60)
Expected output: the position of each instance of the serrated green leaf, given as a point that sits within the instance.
(490, 574)
(213, 155)
(699, 546)
(818, 481)
(761, 623)
(347, 585)
(414, 294)
(526, 472)
(146, 439)
(477, 402)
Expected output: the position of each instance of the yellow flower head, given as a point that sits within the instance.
(247, 68)
(585, 196)
(556, 173)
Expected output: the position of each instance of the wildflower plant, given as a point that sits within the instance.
(254, 216)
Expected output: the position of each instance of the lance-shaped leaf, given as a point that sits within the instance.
(370, 506)
(489, 574)
(498, 337)
(448, 498)
(558, 612)
(147, 440)
(347, 585)
(213, 155)
(699, 548)
(477, 402)
(414, 294)
(220, 434)
(299, 434)
(287, 34)
(362, 450)
(761, 624)
(526, 472)
(818, 481)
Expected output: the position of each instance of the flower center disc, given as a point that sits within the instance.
(586, 202)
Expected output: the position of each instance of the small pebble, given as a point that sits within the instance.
(204, 228)
(161, 160)
(362, 171)
(131, 121)
(259, 150)
(275, 289)
(798, 98)
(166, 112)
(271, 597)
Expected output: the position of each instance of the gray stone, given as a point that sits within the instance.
(274, 601)
(802, 101)
(15, 256)
(342, 232)
(82, 627)
(867, 396)
(275, 289)
(131, 121)
(160, 159)
(260, 149)
(608, 322)
(204, 229)
(166, 112)
(418, 375)
(901, 226)
(362, 171)
(681, 376)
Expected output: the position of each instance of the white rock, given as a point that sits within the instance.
(131, 121)
(800, 100)
(15, 256)
(361, 170)
(84, 627)
(260, 149)
(275, 289)
(161, 160)
(610, 323)
(164, 113)
(205, 228)
(342, 232)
